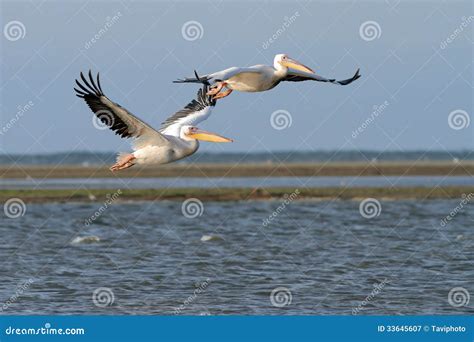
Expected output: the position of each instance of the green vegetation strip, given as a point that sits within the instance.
(233, 194)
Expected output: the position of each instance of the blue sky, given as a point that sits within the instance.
(415, 57)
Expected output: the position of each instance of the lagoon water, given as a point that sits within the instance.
(323, 257)
(210, 182)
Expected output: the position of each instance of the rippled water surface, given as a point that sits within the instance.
(154, 260)
(216, 182)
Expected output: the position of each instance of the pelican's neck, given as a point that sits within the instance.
(280, 70)
(186, 144)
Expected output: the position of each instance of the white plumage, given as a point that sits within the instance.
(260, 77)
(176, 139)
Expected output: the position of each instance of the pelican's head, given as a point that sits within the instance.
(283, 61)
(194, 133)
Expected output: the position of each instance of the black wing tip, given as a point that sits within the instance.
(203, 98)
(356, 76)
(196, 79)
(89, 87)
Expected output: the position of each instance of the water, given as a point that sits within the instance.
(100, 158)
(153, 259)
(209, 182)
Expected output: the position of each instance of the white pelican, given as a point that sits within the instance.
(176, 139)
(260, 77)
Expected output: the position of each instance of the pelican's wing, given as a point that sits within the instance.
(298, 76)
(117, 118)
(219, 75)
(195, 111)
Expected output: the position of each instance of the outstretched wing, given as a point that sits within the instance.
(299, 76)
(117, 118)
(195, 111)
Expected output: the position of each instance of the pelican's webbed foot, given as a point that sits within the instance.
(222, 94)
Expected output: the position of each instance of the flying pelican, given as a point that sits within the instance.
(260, 77)
(176, 139)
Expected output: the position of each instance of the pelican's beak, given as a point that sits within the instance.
(208, 136)
(294, 64)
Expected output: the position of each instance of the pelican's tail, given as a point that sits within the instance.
(196, 79)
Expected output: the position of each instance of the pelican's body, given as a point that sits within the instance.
(176, 139)
(252, 79)
(260, 77)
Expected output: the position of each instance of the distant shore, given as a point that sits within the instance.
(418, 168)
(235, 194)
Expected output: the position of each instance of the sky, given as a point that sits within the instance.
(415, 57)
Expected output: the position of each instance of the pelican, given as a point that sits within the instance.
(176, 139)
(260, 77)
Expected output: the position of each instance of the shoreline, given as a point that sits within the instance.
(403, 168)
(235, 194)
